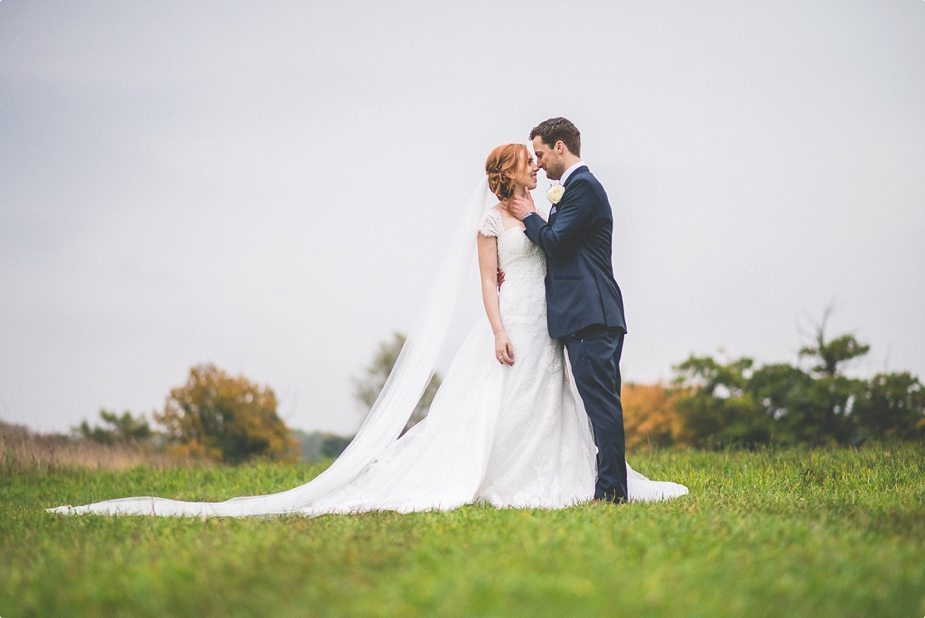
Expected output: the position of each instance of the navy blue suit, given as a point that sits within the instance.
(585, 310)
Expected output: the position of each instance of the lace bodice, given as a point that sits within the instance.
(523, 294)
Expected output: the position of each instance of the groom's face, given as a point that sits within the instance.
(548, 159)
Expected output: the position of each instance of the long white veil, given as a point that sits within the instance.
(386, 419)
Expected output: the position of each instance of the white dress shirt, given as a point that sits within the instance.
(571, 169)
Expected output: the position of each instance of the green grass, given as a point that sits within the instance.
(786, 533)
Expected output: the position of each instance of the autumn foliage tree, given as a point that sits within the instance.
(649, 417)
(225, 418)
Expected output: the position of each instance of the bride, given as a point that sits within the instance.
(509, 431)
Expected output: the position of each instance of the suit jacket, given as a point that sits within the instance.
(578, 242)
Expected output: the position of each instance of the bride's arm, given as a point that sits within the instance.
(488, 271)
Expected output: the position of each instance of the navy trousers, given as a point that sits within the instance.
(594, 354)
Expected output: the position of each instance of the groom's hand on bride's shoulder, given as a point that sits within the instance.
(522, 205)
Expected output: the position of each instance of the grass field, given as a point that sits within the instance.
(786, 533)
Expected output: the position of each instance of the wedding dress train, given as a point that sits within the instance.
(510, 436)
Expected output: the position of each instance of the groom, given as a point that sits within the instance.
(585, 306)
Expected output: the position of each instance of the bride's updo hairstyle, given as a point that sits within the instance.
(504, 162)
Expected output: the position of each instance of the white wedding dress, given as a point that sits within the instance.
(510, 436)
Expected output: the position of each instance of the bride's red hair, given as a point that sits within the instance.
(502, 163)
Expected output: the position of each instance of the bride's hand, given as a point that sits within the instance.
(504, 350)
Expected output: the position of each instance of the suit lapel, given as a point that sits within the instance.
(555, 207)
(571, 177)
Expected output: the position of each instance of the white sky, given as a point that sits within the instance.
(267, 186)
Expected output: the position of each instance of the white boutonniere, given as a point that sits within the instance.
(555, 193)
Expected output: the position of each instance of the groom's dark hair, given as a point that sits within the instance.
(556, 129)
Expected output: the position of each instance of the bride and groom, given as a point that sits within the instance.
(527, 429)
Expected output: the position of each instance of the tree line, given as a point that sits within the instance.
(214, 416)
(709, 404)
(224, 418)
(738, 403)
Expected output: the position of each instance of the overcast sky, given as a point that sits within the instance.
(268, 186)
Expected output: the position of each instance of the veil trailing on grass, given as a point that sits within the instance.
(396, 402)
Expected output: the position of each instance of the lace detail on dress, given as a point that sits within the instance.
(523, 296)
(490, 224)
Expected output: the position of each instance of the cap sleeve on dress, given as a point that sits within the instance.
(490, 225)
